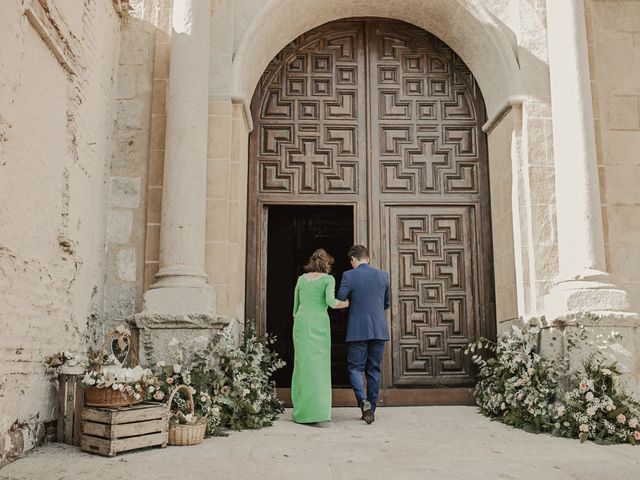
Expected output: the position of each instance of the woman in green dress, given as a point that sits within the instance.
(311, 381)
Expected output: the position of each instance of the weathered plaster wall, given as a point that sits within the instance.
(57, 78)
(613, 28)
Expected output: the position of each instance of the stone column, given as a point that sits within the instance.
(181, 283)
(583, 284)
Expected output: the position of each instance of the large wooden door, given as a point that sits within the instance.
(384, 117)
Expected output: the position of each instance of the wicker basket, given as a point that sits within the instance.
(108, 397)
(188, 433)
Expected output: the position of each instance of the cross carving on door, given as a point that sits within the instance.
(310, 159)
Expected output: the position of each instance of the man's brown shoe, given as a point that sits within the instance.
(367, 413)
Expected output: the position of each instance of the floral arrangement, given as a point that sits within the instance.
(130, 381)
(595, 407)
(243, 378)
(170, 376)
(106, 370)
(55, 362)
(516, 385)
(519, 387)
(231, 385)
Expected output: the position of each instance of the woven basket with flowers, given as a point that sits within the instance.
(185, 429)
(108, 381)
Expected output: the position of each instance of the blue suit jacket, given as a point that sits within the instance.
(367, 289)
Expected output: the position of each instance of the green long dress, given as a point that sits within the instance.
(311, 381)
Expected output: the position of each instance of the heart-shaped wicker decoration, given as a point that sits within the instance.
(120, 348)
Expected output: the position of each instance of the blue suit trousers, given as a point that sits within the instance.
(364, 358)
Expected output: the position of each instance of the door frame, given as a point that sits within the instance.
(257, 241)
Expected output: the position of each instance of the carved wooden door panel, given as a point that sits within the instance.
(311, 116)
(430, 189)
(383, 116)
(307, 147)
(434, 310)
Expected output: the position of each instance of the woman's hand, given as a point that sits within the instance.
(341, 304)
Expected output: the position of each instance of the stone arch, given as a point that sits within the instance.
(486, 45)
(468, 28)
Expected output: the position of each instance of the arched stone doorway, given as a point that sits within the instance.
(369, 131)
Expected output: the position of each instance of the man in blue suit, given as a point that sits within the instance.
(367, 289)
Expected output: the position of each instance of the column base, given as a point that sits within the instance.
(597, 326)
(161, 334)
(179, 300)
(592, 291)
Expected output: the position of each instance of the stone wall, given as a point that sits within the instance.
(502, 149)
(57, 77)
(227, 207)
(614, 46)
(226, 161)
(132, 190)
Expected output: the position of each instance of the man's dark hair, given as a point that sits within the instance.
(359, 252)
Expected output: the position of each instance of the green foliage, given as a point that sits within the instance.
(594, 406)
(519, 387)
(244, 379)
(232, 385)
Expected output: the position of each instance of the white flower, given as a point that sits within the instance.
(606, 371)
(188, 417)
(203, 398)
(589, 396)
(176, 368)
(561, 410)
(530, 371)
(161, 364)
(88, 379)
(584, 427)
(633, 423)
(591, 411)
(151, 389)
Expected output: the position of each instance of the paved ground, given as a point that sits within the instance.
(404, 443)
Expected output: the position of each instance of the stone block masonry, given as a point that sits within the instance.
(128, 199)
(57, 71)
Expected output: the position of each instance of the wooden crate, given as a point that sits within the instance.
(107, 431)
(70, 402)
